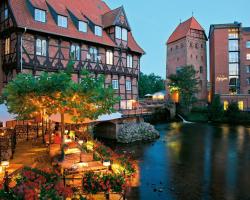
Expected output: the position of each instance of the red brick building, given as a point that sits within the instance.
(230, 63)
(187, 46)
(42, 35)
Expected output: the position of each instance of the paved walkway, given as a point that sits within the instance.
(32, 154)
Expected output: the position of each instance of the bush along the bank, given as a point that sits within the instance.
(132, 132)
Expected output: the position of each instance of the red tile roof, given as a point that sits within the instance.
(183, 28)
(92, 9)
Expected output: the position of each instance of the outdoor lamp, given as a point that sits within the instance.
(106, 163)
(84, 164)
(80, 142)
(5, 164)
(1, 170)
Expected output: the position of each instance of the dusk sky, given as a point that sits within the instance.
(152, 22)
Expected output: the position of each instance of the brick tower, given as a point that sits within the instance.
(187, 46)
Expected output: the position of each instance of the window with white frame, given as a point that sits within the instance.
(7, 46)
(124, 34)
(83, 26)
(62, 21)
(121, 33)
(75, 52)
(40, 15)
(93, 53)
(115, 84)
(109, 57)
(129, 61)
(248, 56)
(118, 32)
(128, 85)
(98, 31)
(41, 47)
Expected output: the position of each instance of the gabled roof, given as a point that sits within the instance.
(85, 10)
(116, 17)
(183, 28)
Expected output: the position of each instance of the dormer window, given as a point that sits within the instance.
(62, 21)
(121, 33)
(40, 15)
(82, 26)
(98, 31)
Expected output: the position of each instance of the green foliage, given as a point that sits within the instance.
(232, 113)
(187, 83)
(150, 84)
(216, 111)
(51, 93)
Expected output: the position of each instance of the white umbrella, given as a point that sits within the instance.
(5, 115)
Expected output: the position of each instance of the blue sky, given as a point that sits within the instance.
(152, 22)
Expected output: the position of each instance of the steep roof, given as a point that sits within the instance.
(92, 10)
(183, 28)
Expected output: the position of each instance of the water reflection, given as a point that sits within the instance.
(194, 161)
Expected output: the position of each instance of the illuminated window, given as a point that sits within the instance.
(109, 57)
(75, 52)
(225, 105)
(241, 105)
(233, 34)
(115, 84)
(41, 47)
(7, 46)
(248, 56)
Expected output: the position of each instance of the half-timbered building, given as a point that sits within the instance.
(43, 35)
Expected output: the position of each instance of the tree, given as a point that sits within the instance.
(52, 93)
(216, 111)
(186, 83)
(233, 113)
(149, 84)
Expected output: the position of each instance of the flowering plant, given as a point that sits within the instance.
(34, 184)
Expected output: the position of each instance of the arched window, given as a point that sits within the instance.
(41, 47)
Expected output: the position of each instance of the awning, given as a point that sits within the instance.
(5, 115)
(68, 118)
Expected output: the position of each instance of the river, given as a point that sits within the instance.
(193, 161)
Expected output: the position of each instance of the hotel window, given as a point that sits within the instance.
(109, 57)
(248, 81)
(124, 34)
(225, 105)
(128, 85)
(41, 47)
(93, 54)
(98, 31)
(40, 15)
(7, 46)
(115, 84)
(233, 69)
(241, 105)
(233, 57)
(233, 45)
(75, 52)
(248, 44)
(233, 81)
(248, 69)
(248, 56)
(130, 61)
(82, 26)
(233, 34)
(62, 21)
